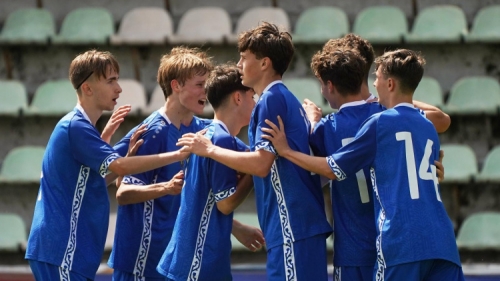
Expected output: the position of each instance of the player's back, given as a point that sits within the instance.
(412, 222)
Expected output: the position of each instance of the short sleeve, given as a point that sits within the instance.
(89, 149)
(223, 179)
(269, 107)
(317, 138)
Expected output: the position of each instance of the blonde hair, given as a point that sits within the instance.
(91, 62)
(181, 64)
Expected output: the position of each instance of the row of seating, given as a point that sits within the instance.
(479, 231)
(469, 95)
(200, 25)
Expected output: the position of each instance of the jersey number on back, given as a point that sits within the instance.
(423, 171)
(360, 176)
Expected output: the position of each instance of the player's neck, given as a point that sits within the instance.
(265, 81)
(351, 98)
(178, 114)
(232, 123)
(365, 91)
(398, 99)
(92, 111)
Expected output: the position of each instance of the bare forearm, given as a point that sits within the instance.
(439, 119)
(317, 165)
(132, 194)
(246, 162)
(139, 164)
(243, 188)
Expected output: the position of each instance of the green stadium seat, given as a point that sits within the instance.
(253, 16)
(491, 167)
(429, 91)
(474, 95)
(133, 93)
(22, 165)
(140, 26)
(13, 236)
(157, 100)
(308, 88)
(54, 98)
(86, 26)
(14, 98)
(28, 26)
(486, 26)
(480, 231)
(319, 24)
(203, 25)
(381, 24)
(248, 219)
(438, 24)
(459, 162)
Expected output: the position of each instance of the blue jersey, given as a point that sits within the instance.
(352, 198)
(71, 216)
(200, 248)
(143, 230)
(290, 203)
(401, 146)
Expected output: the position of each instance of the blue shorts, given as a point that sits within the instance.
(119, 275)
(426, 270)
(43, 271)
(347, 273)
(301, 260)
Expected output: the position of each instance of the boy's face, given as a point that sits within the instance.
(192, 93)
(105, 90)
(250, 69)
(381, 84)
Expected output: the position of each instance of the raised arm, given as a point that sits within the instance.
(439, 119)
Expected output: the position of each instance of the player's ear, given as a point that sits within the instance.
(237, 98)
(175, 85)
(329, 86)
(85, 88)
(265, 63)
(391, 84)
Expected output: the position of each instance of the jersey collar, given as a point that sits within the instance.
(352, 103)
(372, 96)
(82, 111)
(222, 125)
(272, 84)
(162, 111)
(404, 104)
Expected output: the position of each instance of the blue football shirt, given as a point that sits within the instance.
(71, 216)
(200, 248)
(400, 147)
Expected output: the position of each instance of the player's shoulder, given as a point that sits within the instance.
(219, 135)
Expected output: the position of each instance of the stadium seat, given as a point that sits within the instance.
(110, 237)
(203, 25)
(474, 95)
(460, 163)
(248, 219)
(319, 24)
(22, 165)
(28, 26)
(157, 100)
(13, 236)
(13, 96)
(133, 93)
(429, 91)
(480, 231)
(86, 26)
(438, 24)
(381, 24)
(253, 17)
(486, 26)
(53, 97)
(491, 167)
(141, 26)
(307, 88)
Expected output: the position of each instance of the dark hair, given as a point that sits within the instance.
(407, 66)
(355, 42)
(223, 81)
(342, 66)
(88, 63)
(266, 40)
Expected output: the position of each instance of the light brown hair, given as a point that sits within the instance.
(90, 63)
(406, 66)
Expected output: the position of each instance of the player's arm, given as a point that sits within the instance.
(250, 236)
(138, 164)
(313, 112)
(439, 119)
(313, 164)
(131, 193)
(256, 163)
(114, 122)
(229, 204)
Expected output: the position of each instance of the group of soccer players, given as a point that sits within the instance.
(382, 158)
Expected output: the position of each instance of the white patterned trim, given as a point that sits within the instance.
(64, 274)
(81, 184)
(335, 168)
(194, 271)
(379, 276)
(286, 229)
(139, 278)
(103, 171)
(266, 146)
(225, 194)
(337, 273)
(132, 180)
(142, 255)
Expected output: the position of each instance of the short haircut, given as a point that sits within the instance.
(342, 66)
(362, 46)
(407, 66)
(181, 64)
(88, 63)
(266, 40)
(224, 80)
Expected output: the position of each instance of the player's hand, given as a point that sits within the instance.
(440, 167)
(314, 112)
(174, 186)
(114, 122)
(251, 237)
(135, 142)
(277, 136)
(195, 143)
